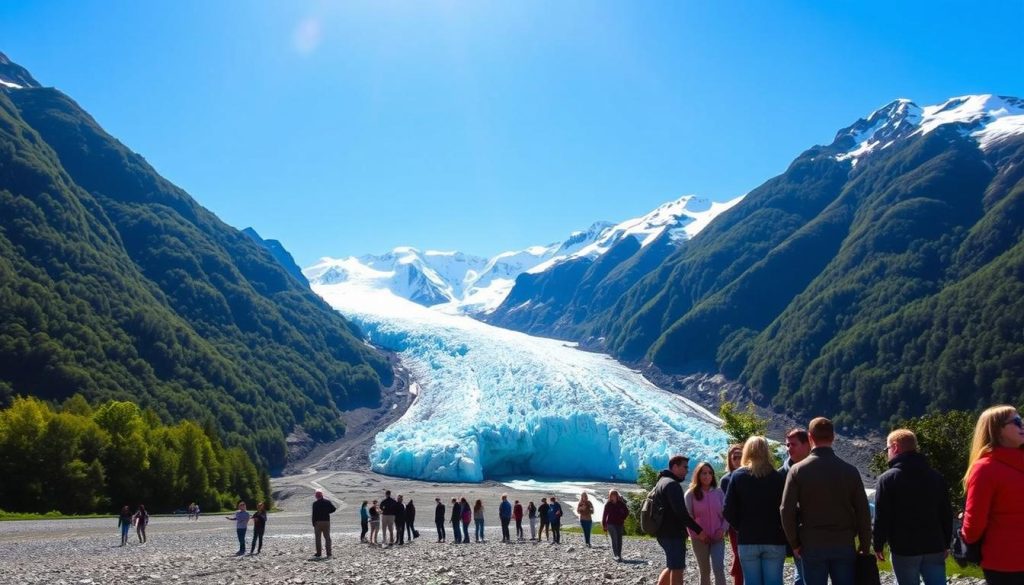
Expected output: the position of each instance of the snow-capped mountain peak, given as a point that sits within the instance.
(14, 76)
(987, 118)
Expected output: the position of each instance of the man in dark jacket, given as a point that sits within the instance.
(322, 510)
(439, 519)
(798, 447)
(833, 511)
(674, 521)
(400, 520)
(542, 513)
(387, 518)
(457, 521)
(912, 514)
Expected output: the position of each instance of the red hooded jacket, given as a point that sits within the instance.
(995, 509)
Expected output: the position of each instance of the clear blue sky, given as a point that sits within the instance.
(352, 127)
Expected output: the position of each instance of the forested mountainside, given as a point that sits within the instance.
(117, 285)
(876, 278)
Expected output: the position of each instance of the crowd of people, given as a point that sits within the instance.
(813, 508)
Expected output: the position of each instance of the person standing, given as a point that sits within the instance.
(399, 521)
(124, 522)
(995, 507)
(457, 520)
(505, 517)
(374, 523)
(387, 518)
(732, 463)
(542, 513)
(241, 518)
(517, 515)
(798, 447)
(585, 510)
(410, 518)
(322, 510)
(478, 519)
(141, 521)
(467, 517)
(752, 508)
(705, 503)
(613, 520)
(833, 511)
(555, 520)
(364, 520)
(259, 525)
(671, 535)
(912, 514)
(439, 520)
(531, 514)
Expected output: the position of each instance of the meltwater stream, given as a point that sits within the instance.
(495, 402)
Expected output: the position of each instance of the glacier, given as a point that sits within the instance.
(497, 403)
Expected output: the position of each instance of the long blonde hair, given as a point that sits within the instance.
(986, 434)
(695, 486)
(757, 456)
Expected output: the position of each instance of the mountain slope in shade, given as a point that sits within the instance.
(278, 251)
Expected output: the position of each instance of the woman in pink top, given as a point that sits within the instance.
(705, 502)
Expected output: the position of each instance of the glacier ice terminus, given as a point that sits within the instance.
(494, 402)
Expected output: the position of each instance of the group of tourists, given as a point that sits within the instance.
(815, 509)
(389, 522)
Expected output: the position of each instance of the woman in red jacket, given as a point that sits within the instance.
(995, 495)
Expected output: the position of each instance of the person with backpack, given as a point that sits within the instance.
(124, 522)
(141, 521)
(542, 513)
(259, 525)
(664, 516)
(995, 483)
(613, 520)
(585, 510)
(555, 520)
(241, 518)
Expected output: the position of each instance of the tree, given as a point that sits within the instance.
(740, 426)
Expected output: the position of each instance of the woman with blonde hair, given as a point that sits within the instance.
(752, 507)
(705, 502)
(995, 483)
(732, 463)
(585, 510)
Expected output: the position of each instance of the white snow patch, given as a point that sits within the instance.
(9, 84)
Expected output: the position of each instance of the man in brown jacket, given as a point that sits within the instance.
(833, 511)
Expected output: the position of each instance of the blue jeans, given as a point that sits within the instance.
(822, 562)
(586, 525)
(457, 530)
(241, 539)
(799, 564)
(762, 563)
(479, 534)
(910, 570)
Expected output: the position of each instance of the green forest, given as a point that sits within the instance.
(79, 459)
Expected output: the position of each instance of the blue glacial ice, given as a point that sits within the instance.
(498, 403)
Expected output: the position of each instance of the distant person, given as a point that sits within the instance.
(542, 513)
(364, 520)
(478, 519)
(241, 519)
(141, 521)
(259, 525)
(706, 504)
(668, 494)
(387, 518)
(505, 517)
(124, 522)
(833, 511)
(555, 520)
(995, 506)
(585, 510)
(400, 521)
(517, 515)
(191, 510)
(457, 520)
(613, 520)
(798, 447)
(197, 512)
(410, 518)
(322, 510)
(732, 463)
(467, 518)
(531, 515)
(374, 523)
(912, 514)
(439, 519)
